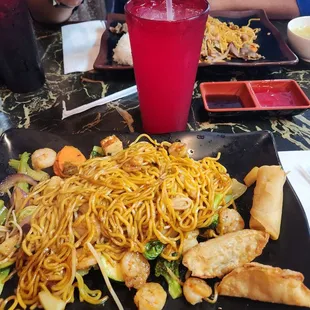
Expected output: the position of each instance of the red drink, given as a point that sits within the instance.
(165, 56)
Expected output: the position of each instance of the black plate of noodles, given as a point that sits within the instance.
(239, 154)
(271, 44)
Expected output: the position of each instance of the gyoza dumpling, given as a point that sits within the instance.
(217, 257)
(266, 283)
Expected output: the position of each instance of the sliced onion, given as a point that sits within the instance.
(17, 198)
(237, 189)
(12, 180)
(24, 216)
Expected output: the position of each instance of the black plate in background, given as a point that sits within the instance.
(272, 45)
(240, 152)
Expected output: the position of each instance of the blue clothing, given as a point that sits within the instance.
(304, 7)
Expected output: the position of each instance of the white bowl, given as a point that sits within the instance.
(299, 44)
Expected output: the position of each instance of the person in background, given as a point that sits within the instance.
(52, 11)
(59, 11)
(275, 9)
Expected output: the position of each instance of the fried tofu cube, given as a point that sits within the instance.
(111, 145)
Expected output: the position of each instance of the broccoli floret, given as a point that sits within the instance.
(215, 221)
(97, 151)
(153, 249)
(216, 204)
(161, 269)
(22, 166)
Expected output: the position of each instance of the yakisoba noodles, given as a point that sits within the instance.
(114, 204)
(224, 41)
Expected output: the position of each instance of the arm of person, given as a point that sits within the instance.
(44, 11)
(276, 9)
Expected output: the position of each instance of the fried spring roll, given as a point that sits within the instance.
(266, 283)
(266, 212)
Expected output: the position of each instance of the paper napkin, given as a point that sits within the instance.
(296, 163)
(81, 44)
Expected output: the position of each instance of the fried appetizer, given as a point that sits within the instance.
(229, 221)
(216, 257)
(266, 283)
(266, 212)
(150, 296)
(111, 145)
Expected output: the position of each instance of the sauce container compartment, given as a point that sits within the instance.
(279, 95)
(228, 99)
(227, 96)
(248, 99)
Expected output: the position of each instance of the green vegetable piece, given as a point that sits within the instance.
(25, 212)
(3, 274)
(97, 151)
(228, 199)
(22, 168)
(215, 221)
(3, 212)
(36, 175)
(153, 249)
(174, 287)
(7, 263)
(114, 272)
(83, 272)
(217, 200)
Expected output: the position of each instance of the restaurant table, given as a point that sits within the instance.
(42, 109)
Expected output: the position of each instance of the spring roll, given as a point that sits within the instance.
(251, 177)
(266, 283)
(266, 212)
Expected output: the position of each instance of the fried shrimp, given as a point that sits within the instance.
(195, 290)
(43, 158)
(150, 296)
(135, 268)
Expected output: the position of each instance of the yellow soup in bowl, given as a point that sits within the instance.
(303, 31)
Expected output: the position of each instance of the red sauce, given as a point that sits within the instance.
(272, 98)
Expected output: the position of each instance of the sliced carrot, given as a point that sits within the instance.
(57, 170)
(68, 154)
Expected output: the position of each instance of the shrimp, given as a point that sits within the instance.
(195, 290)
(178, 149)
(229, 221)
(55, 183)
(150, 296)
(135, 268)
(43, 158)
(134, 164)
(85, 259)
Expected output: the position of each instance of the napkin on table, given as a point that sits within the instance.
(81, 45)
(295, 163)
